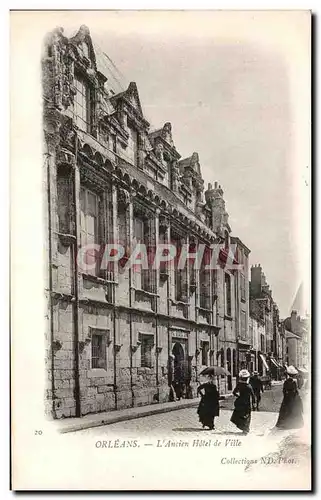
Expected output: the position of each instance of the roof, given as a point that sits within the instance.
(165, 133)
(235, 239)
(192, 162)
(116, 82)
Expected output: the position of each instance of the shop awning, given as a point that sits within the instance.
(264, 361)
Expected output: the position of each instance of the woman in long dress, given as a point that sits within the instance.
(244, 402)
(208, 407)
(291, 410)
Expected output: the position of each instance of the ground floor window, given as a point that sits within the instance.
(98, 351)
(205, 347)
(146, 350)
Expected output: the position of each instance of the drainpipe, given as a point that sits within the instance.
(237, 325)
(130, 280)
(156, 277)
(76, 288)
(53, 391)
(114, 341)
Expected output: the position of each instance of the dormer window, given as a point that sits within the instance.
(82, 104)
(133, 145)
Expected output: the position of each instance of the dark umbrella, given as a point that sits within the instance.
(215, 371)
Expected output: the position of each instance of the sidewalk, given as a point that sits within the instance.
(114, 416)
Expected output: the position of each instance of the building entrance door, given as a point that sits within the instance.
(180, 368)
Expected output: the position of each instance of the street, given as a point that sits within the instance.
(271, 400)
(175, 439)
(185, 421)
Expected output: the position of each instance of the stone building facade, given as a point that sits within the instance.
(257, 335)
(264, 312)
(122, 336)
(296, 332)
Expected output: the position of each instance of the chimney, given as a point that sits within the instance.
(256, 281)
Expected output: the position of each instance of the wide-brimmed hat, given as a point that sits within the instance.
(291, 370)
(244, 374)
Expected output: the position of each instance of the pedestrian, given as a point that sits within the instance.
(257, 386)
(291, 410)
(179, 382)
(244, 402)
(208, 407)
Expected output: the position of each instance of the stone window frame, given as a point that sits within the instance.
(100, 222)
(146, 339)
(204, 286)
(180, 278)
(243, 324)
(104, 335)
(205, 352)
(133, 132)
(228, 294)
(65, 205)
(81, 79)
(214, 286)
(243, 287)
(146, 276)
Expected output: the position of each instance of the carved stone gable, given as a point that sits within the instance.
(133, 97)
(167, 134)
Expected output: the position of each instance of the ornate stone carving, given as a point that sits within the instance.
(123, 197)
(63, 74)
(56, 345)
(159, 148)
(163, 222)
(175, 175)
(65, 157)
(67, 133)
(199, 186)
(52, 124)
(167, 134)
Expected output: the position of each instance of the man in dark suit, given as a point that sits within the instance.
(257, 387)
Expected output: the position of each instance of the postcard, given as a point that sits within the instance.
(160, 236)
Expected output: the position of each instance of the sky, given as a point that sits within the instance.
(235, 87)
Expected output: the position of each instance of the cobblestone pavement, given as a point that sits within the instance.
(166, 442)
(182, 423)
(270, 400)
